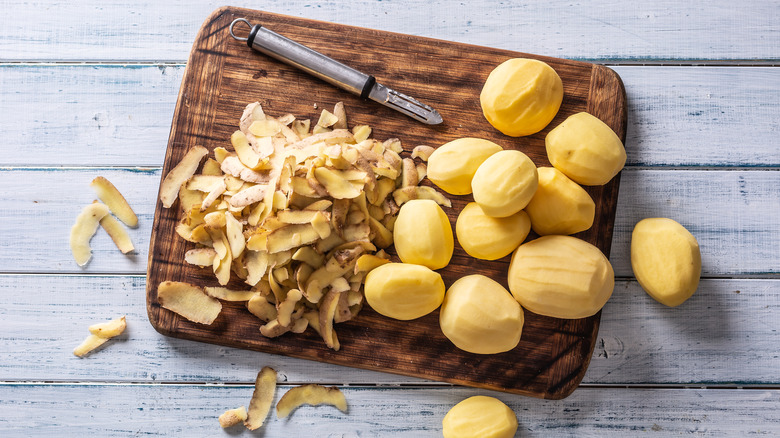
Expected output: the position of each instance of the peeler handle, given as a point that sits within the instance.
(316, 64)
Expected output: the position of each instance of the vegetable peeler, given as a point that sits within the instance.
(316, 64)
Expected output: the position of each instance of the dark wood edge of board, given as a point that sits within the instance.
(603, 78)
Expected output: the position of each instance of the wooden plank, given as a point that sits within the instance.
(71, 303)
(110, 115)
(551, 357)
(664, 30)
(640, 342)
(187, 410)
(727, 333)
(113, 115)
(732, 214)
(736, 240)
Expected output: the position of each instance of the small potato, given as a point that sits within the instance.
(666, 260)
(423, 234)
(561, 276)
(404, 291)
(480, 417)
(479, 316)
(490, 238)
(559, 206)
(451, 167)
(521, 96)
(586, 150)
(504, 183)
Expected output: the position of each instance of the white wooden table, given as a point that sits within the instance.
(88, 89)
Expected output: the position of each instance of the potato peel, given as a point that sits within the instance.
(109, 329)
(311, 394)
(90, 343)
(99, 334)
(231, 417)
(169, 189)
(117, 233)
(189, 301)
(81, 233)
(110, 195)
(262, 398)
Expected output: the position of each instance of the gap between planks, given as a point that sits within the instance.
(369, 385)
(628, 62)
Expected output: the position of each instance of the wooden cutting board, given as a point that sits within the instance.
(224, 75)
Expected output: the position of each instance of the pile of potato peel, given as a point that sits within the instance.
(299, 213)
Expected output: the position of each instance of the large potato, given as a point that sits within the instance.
(452, 165)
(490, 238)
(559, 206)
(666, 260)
(480, 417)
(561, 276)
(423, 234)
(479, 316)
(504, 183)
(586, 150)
(404, 291)
(521, 96)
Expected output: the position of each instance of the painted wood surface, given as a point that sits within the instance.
(642, 31)
(640, 342)
(739, 203)
(115, 115)
(192, 410)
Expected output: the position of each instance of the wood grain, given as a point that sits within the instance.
(645, 31)
(120, 115)
(223, 76)
(55, 196)
(640, 342)
(192, 410)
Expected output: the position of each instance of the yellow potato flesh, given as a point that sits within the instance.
(586, 150)
(504, 183)
(117, 233)
(452, 165)
(404, 291)
(666, 260)
(479, 316)
(480, 417)
(559, 206)
(490, 238)
(117, 203)
(87, 223)
(521, 96)
(561, 276)
(423, 235)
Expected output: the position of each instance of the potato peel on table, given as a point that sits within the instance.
(99, 334)
(311, 394)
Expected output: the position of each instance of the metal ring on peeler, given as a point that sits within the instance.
(237, 20)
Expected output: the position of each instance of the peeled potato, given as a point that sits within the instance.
(586, 150)
(404, 291)
(666, 260)
(423, 234)
(452, 165)
(521, 96)
(490, 238)
(480, 417)
(561, 276)
(504, 183)
(479, 316)
(559, 206)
